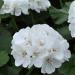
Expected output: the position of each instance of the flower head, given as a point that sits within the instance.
(16, 7)
(40, 46)
(39, 5)
(71, 19)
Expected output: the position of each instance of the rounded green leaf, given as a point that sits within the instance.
(5, 39)
(4, 58)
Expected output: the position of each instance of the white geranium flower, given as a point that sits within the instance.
(15, 7)
(39, 5)
(71, 19)
(40, 46)
(72, 29)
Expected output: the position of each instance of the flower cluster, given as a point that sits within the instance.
(71, 18)
(40, 46)
(15, 7)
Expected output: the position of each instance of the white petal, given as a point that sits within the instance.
(49, 68)
(43, 69)
(26, 62)
(17, 11)
(72, 29)
(59, 55)
(56, 63)
(18, 62)
(25, 9)
(67, 54)
(38, 62)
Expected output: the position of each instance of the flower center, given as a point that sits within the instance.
(48, 60)
(24, 54)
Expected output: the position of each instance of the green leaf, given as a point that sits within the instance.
(8, 70)
(68, 68)
(5, 39)
(1, 74)
(13, 71)
(2, 16)
(3, 58)
(59, 15)
(64, 31)
(1, 3)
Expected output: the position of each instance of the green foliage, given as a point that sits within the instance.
(68, 68)
(1, 3)
(64, 31)
(3, 58)
(56, 16)
(5, 39)
(4, 16)
(59, 15)
(7, 70)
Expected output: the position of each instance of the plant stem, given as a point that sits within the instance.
(32, 17)
(14, 23)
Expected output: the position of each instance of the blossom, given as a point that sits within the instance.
(71, 19)
(72, 29)
(20, 45)
(39, 5)
(40, 46)
(58, 54)
(50, 64)
(15, 7)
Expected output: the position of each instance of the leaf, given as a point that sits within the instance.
(2, 16)
(7, 70)
(1, 3)
(4, 58)
(1, 74)
(5, 39)
(59, 15)
(64, 31)
(13, 71)
(68, 68)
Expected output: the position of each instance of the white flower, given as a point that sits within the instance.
(71, 19)
(20, 45)
(50, 64)
(39, 5)
(58, 54)
(72, 29)
(40, 46)
(15, 7)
